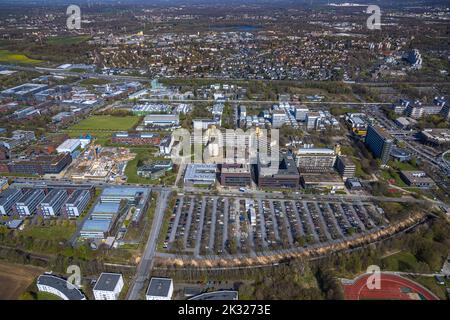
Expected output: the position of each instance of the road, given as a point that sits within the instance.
(146, 263)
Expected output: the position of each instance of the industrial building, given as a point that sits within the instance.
(160, 289)
(28, 203)
(162, 120)
(379, 143)
(69, 146)
(235, 175)
(315, 159)
(108, 286)
(200, 174)
(136, 139)
(59, 287)
(285, 176)
(77, 202)
(53, 202)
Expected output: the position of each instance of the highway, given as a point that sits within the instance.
(146, 263)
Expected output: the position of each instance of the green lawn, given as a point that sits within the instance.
(401, 261)
(51, 230)
(7, 56)
(102, 127)
(67, 40)
(431, 284)
(447, 156)
(395, 176)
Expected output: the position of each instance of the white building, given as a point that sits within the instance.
(59, 287)
(160, 289)
(70, 145)
(108, 286)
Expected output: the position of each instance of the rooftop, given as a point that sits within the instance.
(107, 281)
(159, 287)
(66, 288)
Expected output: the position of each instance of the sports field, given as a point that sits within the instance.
(7, 56)
(392, 287)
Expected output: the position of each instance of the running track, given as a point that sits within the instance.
(391, 289)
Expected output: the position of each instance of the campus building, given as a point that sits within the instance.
(76, 203)
(160, 289)
(59, 287)
(41, 164)
(282, 174)
(28, 203)
(379, 143)
(345, 167)
(53, 202)
(200, 174)
(235, 175)
(315, 159)
(8, 198)
(108, 286)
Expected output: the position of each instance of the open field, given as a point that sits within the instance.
(400, 261)
(7, 56)
(15, 279)
(101, 127)
(106, 123)
(67, 40)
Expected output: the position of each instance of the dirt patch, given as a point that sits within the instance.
(15, 279)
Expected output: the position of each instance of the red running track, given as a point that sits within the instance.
(391, 289)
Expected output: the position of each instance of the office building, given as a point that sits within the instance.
(379, 143)
(24, 91)
(108, 286)
(28, 203)
(280, 174)
(300, 113)
(160, 289)
(315, 159)
(76, 203)
(8, 198)
(417, 179)
(155, 170)
(53, 202)
(235, 175)
(279, 118)
(52, 164)
(59, 287)
(312, 120)
(345, 167)
(435, 137)
(200, 174)
(324, 181)
(105, 211)
(95, 229)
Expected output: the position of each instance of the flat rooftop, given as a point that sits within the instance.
(107, 281)
(68, 289)
(159, 287)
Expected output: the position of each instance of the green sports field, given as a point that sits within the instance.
(7, 56)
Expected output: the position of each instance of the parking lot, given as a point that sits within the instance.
(218, 225)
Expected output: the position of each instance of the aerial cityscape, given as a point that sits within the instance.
(210, 150)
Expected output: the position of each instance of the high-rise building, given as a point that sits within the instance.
(380, 143)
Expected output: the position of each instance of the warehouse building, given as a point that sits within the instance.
(69, 146)
(162, 120)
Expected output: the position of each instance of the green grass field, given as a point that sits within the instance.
(431, 284)
(52, 230)
(7, 56)
(101, 127)
(401, 261)
(67, 40)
